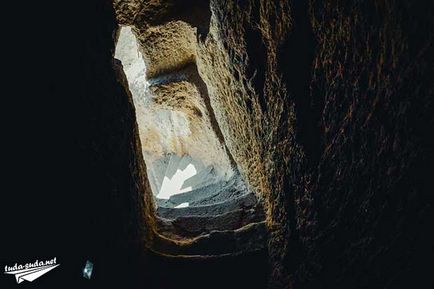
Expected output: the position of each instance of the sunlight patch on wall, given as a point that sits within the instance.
(134, 66)
(173, 186)
(182, 205)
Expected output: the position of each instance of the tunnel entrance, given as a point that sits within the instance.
(196, 187)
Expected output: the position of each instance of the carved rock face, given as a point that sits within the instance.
(172, 105)
(171, 44)
(177, 121)
(316, 103)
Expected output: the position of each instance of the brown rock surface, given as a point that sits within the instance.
(326, 109)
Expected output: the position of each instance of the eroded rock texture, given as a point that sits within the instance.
(326, 109)
(343, 97)
(172, 117)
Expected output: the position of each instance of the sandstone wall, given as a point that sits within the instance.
(326, 109)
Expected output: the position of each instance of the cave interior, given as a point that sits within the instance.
(224, 144)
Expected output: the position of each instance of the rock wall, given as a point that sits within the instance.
(326, 109)
(171, 115)
(368, 193)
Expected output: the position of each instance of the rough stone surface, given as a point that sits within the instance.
(246, 201)
(172, 116)
(326, 108)
(251, 237)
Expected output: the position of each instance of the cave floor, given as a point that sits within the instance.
(245, 271)
(151, 271)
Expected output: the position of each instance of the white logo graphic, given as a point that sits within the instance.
(31, 271)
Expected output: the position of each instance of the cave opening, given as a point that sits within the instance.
(165, 133)
(196, 187)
